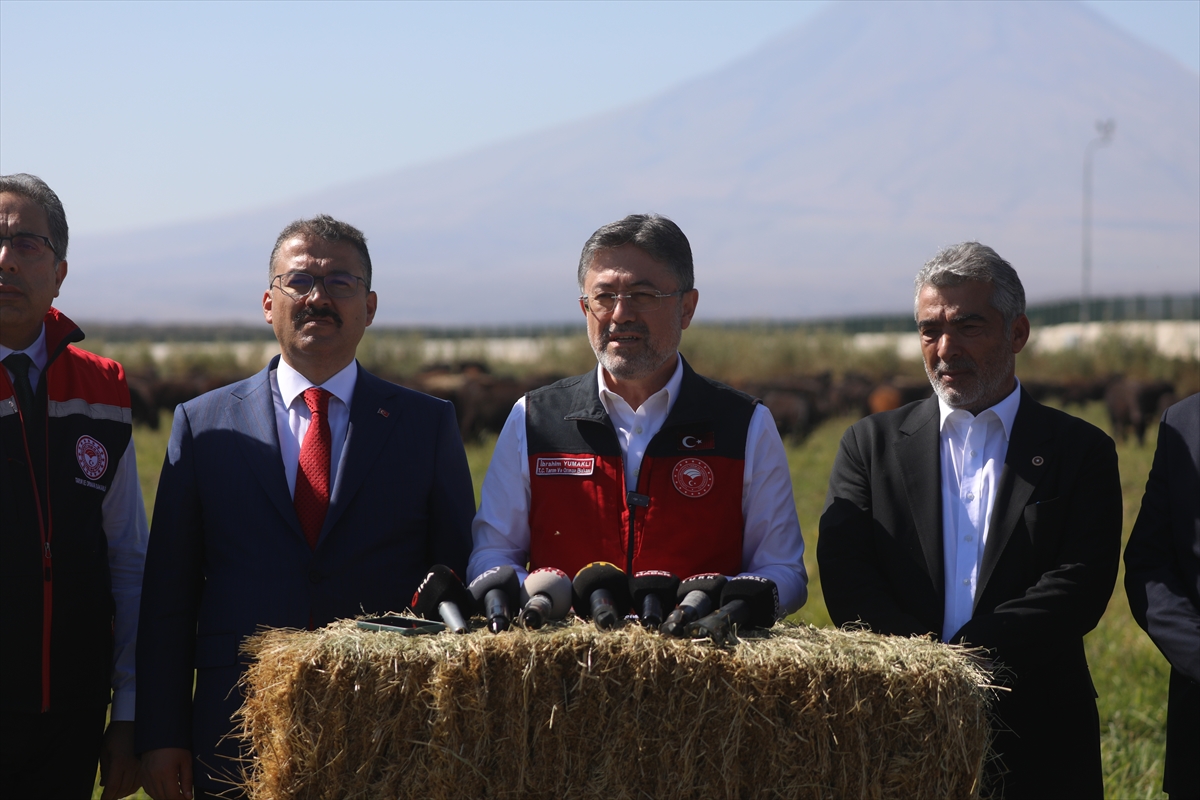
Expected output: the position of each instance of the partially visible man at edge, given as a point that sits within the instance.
(310, 492)
(1162, 583)
(74, 524)
(671, 471)
(987, 519)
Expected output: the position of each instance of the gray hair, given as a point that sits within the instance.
(34, 188)
(325, 227)
(653, 234)
(972, 261)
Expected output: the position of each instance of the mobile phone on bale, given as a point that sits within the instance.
(407, 626)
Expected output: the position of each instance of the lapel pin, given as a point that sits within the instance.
(1038, 461)
(382, 413)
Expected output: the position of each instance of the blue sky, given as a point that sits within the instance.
(145, 113)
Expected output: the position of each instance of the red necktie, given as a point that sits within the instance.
(312, 479)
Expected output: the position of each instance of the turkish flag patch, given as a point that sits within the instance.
(705, 440)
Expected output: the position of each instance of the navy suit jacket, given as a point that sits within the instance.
(1162, 580)
(227, 555)
(1045, 578)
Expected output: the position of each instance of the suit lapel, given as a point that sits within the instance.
(252, 414)
(919, 453)
(374, 411)
(1029, 453)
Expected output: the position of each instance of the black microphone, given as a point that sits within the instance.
(653, 590)
(602, 592)
(697, 596)
(442, 596)
(746, 601)
(546, 595)
(496, 591)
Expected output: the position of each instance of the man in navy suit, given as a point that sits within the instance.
(310, 492)
(1162, 580)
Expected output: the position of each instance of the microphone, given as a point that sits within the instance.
(603, 593)
(442, 596)
(495, 590)
(653, 590)
(697, 596)
(546, 595)
(749, 600)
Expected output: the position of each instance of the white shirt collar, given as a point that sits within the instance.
(1005, 411)
(292, 384)
(36, 351)
(608, 396)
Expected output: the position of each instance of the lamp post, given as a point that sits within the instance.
(1105, 130)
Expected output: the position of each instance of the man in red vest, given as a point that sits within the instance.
(641, 462)
(73, 522)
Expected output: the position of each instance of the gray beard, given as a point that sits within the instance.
(641, 365)
(990, 382)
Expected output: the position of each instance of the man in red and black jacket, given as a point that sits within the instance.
(641, 462)
(74, 537)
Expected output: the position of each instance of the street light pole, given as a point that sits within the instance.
(1105, 130)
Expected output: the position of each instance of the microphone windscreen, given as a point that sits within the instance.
(552, 582)
(710, 583)
(760, 594)
(601, 575)
(653, 581)
(441, 585)
(503, 577)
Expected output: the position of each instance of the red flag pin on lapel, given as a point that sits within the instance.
(381, 412)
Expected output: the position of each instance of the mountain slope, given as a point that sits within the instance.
(813, 177)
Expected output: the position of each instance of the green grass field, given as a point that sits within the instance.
(1129, 672)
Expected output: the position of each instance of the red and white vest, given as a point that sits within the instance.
(685, 514)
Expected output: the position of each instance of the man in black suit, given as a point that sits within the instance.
(1162, 579)
(986, 519)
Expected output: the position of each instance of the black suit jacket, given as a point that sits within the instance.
(227, 555)
(1162, 580)
(1047, 571)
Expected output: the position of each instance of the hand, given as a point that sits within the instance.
(167, 773)
(119, 769)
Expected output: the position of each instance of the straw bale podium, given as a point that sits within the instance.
(568, 711)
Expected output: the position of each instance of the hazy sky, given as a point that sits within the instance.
(143, 113)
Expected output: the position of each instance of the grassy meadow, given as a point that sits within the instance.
(1129, 673)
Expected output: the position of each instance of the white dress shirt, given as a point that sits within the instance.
(973, 449)
(292, 416)
(123, 517)
(772, 546)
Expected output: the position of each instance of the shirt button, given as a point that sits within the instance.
(970, 496)
(972, 452)
(638, 429)
(968, 538)
(966, 581)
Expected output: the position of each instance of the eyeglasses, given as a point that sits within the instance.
(606, 302)
(335, 284)
(28, 245)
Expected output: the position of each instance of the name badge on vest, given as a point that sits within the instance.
(565, 466)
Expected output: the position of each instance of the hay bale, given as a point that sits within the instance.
(570, 712)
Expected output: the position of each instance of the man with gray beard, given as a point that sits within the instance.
(986, 519)
(641, 462)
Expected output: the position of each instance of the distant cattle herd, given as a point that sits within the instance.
(483, 400)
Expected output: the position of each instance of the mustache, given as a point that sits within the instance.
(621, 330)
(302, 315)
(942, 367)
